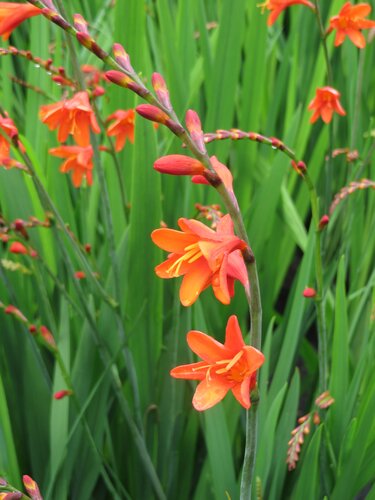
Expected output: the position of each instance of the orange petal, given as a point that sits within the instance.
(206, 347)
(237, 268)
(360, 10)
(171, 240)
(192, 371)
(357, 38)
(225, 225)
(209, 393)
(233, 335)
(194, 282)
(220, 282)
(198, 228)
(254, 358)
(326, 114)
(242, 393)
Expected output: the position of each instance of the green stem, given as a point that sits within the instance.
(250, 451)
(319, 299)
(323, 37)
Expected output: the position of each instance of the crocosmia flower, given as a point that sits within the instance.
(325, 103)
(78, 159)
(13, 14)
(349, 22)
(203, 257)
(7, 125)
(122, 127)
(277, 6)
(72, 116)
(229, 366)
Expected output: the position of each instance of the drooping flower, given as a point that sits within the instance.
(203, 257)
(277, 6)
(325, 103)
(349, 22)
(229, 366)
(122, 128)
(8, 127)
(78, 159)
(72, 116)
(12, 14)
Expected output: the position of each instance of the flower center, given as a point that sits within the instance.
(193, 253)
(235, 369)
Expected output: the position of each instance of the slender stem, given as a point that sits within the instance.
(323, 37)
(319, 299)
(250, 451)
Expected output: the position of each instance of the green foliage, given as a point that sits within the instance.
(129, 429)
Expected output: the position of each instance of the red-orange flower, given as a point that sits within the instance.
(72, 116)
(203, 257)
(325, 103)
(8, 126)
(277, 6)
(349, 22)
(229, 366)
(78, 159)
(122, 128)
(13, 14)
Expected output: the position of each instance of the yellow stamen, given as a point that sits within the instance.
(193, 253)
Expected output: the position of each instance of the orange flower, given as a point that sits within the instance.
(325, 103)
(229, 366)
(349, 22)
(122, 128)
(203, 257)
(73, 116)
(8, 126)
(277, 6)
(78, 159)
(13, 14)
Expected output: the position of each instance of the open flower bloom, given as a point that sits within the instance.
(277, 6)
(229, 366)
(78, 159)
(72, 116)
(13, 14)
(325, 103)
(349, 22)
(203, 257)
(122, 128)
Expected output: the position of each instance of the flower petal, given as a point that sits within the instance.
(242, 393)
(209, 393)
(196, 279)
(172, 240)
(233, 335)
(192, 371)
(206, 347)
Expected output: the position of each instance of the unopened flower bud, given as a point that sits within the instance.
(194, 127)
(62, 394)
(17, 247)
(122, 57)
(80, 23)
(179, 165)
(161, 90)
(323, 222)
(309, 293)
